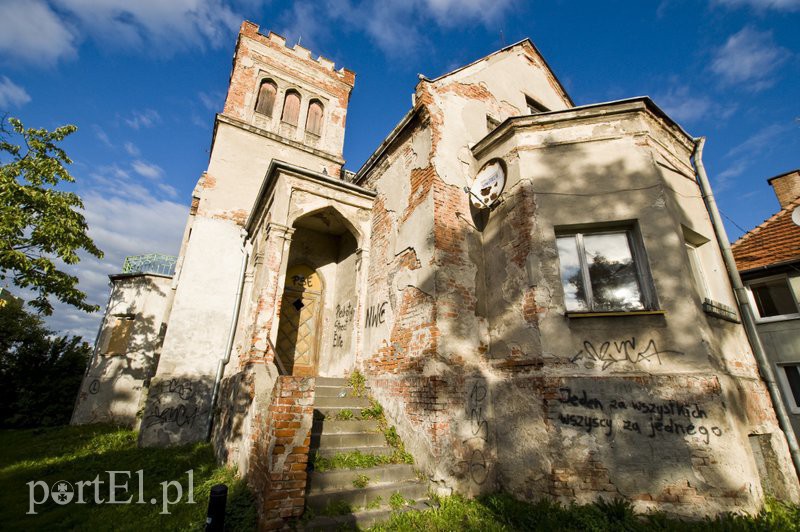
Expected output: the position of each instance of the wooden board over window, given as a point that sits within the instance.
(121, 328)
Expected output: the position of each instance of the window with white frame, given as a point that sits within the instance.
(789, 375)
(604, 271)
(772, 298)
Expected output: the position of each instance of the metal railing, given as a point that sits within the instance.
(150, 263)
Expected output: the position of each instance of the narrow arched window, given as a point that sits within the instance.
(314, 120)
(266, 97)
(291, 107)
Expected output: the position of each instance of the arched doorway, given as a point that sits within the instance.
(297, 345)
(317, 316)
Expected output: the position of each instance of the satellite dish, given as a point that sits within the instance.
(796, 216)
(488, 185)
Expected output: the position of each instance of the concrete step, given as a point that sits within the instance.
(330, 412)
(353, 439)
(333, 426)
(377, 450)
(355, 497)
(341, 402)
(359, 520)
(342, 479)
(331, 381)
(334, 391)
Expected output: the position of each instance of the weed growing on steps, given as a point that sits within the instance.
(337, 507)
(345, 415)
(374, 411)
(374, 503)
(360, 481)
(357, 460)
(397, 501)
(358, 383)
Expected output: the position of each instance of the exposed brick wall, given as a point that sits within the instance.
(279, 461)
(786, 187)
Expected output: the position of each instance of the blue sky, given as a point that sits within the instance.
(142, 81)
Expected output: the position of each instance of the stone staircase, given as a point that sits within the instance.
(361, 496)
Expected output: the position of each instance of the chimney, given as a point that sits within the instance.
(786, 187)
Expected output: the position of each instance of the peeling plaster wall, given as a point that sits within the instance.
(112, 390)
(487, 380)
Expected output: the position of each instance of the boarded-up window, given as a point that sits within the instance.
(266, 97)
(291, 108)
(121, 327)
(314, 120)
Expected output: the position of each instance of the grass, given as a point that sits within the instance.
(358, 460)
(502, 513)
(82, 453)
(358, 383)
(360, 481)
(345, 415)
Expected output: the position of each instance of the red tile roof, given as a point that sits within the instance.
(775, 241)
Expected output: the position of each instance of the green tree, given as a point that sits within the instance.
(40, 374)
(40, 225)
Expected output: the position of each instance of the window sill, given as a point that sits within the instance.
(615, 314)
(774, 319)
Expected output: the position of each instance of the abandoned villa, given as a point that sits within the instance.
(532, 290)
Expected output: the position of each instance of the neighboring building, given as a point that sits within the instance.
(768, 259)
(126, 351)
(521, 281)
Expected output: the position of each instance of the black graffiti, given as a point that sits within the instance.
(344, 316)
(609, 353)
(671, 408)
(181, 415)
(476, 465)
(94, 387)
(175, 386)
(566, 396)
(670, 427)
(376, 315)
(588, 423)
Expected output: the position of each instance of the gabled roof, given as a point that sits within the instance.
(523, 43)
(774, 242)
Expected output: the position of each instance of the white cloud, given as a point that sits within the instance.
(212, 101)
(102, 135)
(397, 27)
(43, 32)
(750, 151)
(748, 57)
(31, 32)
(11, 94)
(124, 219)
(150, 171)
(146, 118)
(131, 149)
(762, 5)
(682, 106)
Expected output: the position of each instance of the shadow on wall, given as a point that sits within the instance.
(115, 385)
(560, 407)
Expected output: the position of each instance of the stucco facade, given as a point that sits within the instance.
(560, 342)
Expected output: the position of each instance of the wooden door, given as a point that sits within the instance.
(298, 330)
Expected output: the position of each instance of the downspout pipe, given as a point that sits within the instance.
(745, 309)
(231, 334)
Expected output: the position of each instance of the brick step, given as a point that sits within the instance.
(377, 450)
(341, 402)
(414, 490)
(333, 426)
(330, 412)
(359, 520)
(344, 439)
(331, 381)
(342, 479)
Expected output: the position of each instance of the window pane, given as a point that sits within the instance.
(574, 293)
(793, 376)
(773, 298)
(615, 285)
(697, 269)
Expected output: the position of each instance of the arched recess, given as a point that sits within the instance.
(266, 97)
(315, 117)
(291, 107)
(325, 245)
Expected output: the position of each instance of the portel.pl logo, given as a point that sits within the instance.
(62, 492)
